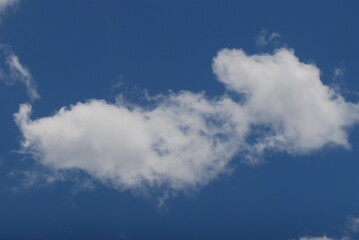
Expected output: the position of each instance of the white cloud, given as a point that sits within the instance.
(339, 72)
(325, 238)
(264, 37)
(170, 145)
(13, 71)
(186, 139)
(353, 224)
(288, 96)
(4, 4)
(316, 238)
(351, 232)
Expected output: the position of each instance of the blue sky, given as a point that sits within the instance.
(179, 119)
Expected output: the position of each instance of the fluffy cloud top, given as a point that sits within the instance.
(288, 96)
(170, 144)
(186, 139)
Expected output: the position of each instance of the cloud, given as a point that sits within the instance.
(353, 225)
(185, 140)
(351, 232)
(288, 96)
(12, 71)
(4, 4)
(339, 72)
(264, 37)
(174, 144)
(316, 238)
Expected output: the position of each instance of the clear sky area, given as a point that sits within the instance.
(179, 119)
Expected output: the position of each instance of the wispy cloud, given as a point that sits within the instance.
(338, 72)
(316, 238)
(353, 224)
(5, 4)
(12, 71)
(185, 140)
(264, 37)
(350, 233)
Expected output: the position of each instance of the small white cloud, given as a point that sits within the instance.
(350, 233)
(316, 238)
(264, 37)
(23, 74)
(4, 4)
(339, 72)
(353, 225)
(186, 140)
(13, 71)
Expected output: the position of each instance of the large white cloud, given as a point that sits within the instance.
(186, 139)
(288, 96)
(175, 144)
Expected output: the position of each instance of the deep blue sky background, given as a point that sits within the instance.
(77, 50)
